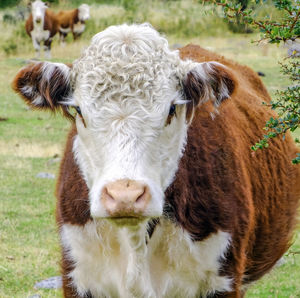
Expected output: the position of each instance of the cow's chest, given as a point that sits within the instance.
(78, 28)
(115, 262)
(39, 34)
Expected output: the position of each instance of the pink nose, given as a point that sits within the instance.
(125, 198)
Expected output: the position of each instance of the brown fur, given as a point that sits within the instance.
(52, 91)
(220, 183)
(50, 23)
(67, 19)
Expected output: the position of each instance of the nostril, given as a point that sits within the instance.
(143, 199)
(109, 201)
(140, 197)
(108, 196)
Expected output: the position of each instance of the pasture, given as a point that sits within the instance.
(32, 142)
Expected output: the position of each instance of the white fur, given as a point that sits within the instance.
(84, 12)
(117, 262)
(48, 69)
(65, 30)
(78, 28)
(205, 72)
(38, 34)
(27, 91)
(38, 9)
(38, 100)
(125, 84)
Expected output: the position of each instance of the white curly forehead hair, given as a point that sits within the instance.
(127, 61)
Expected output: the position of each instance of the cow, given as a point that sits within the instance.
(72, 20)
(159, 194)
(41, 26)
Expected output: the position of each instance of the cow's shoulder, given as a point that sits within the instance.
(29, 25)
(50, 22)
(71, 189)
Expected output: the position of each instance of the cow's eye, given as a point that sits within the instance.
(77, 108)
(172, 110)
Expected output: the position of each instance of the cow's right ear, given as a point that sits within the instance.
(45, 86)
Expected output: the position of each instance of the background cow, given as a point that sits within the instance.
(72, 20)
(156, 198)
(41, 26)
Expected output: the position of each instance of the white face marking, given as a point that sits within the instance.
(38, 9)
(117, 262)
(126, 81)
(84, 12)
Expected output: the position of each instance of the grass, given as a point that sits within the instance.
(29, 141)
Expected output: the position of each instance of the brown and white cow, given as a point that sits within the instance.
(155, 197)
(72, 21)
(41, 26)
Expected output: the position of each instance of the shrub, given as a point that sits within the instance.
(8, 3)
(10, 47)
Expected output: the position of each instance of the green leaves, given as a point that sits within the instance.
(286, 29)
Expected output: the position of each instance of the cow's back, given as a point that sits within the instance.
(67, 18)
(251, 195)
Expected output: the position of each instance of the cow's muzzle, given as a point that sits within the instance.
(125, 198)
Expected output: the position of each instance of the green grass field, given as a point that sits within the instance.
(31, 141)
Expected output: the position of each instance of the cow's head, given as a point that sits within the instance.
(83, 12)
(135, 99)
(38, 9)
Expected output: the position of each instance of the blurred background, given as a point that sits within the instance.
(31, 142)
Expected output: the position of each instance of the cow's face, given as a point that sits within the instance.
(134, 99)
(38, 9)
(84, 12)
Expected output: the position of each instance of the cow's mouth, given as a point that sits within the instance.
(127, 220)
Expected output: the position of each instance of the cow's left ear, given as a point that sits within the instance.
(45, 86)
(208, 81)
